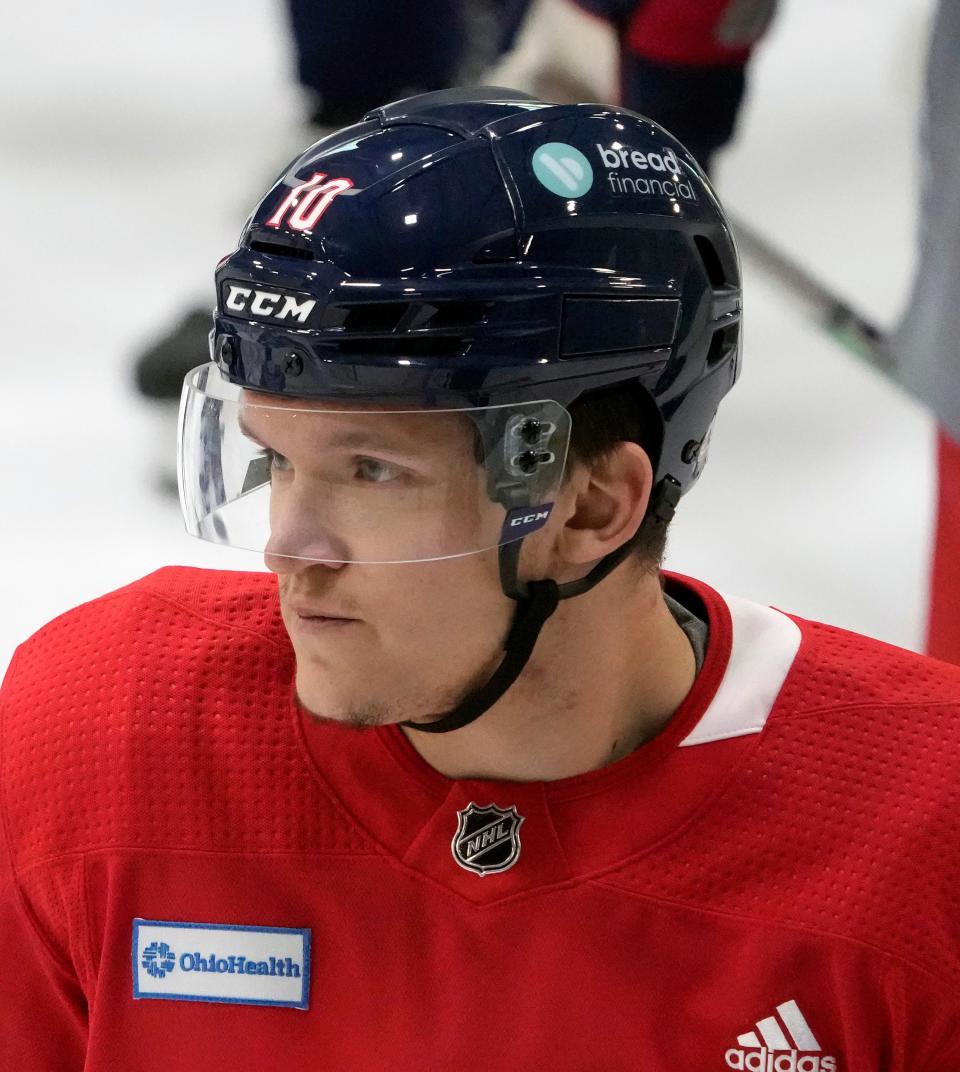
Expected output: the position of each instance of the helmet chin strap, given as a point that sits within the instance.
(536, 601)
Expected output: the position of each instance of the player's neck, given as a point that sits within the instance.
(609, 670)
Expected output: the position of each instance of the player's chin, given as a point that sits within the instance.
(330, 705)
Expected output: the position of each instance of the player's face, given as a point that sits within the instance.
(378, 643)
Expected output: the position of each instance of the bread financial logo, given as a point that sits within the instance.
(564, 170)
(652, 174)
(487, 840)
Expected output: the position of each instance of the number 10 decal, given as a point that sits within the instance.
(307, 202)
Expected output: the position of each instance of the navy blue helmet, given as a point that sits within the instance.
(476, 247)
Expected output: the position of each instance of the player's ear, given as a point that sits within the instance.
(609, 499)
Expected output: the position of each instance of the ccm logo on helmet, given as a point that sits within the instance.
(267, 303)
(529, 519)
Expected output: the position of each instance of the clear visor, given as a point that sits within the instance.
(341, 482)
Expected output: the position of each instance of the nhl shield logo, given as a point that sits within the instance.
(487, 840)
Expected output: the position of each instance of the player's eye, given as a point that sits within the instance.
(376, 472)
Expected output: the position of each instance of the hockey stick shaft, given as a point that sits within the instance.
(855, 332)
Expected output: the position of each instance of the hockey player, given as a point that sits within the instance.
(469, 783)
(925, 344)
(683, 63)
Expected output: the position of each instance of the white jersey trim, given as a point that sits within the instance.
(765, 643)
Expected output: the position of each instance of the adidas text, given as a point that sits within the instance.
(764, 1060)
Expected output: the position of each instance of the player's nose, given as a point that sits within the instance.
(283, 562)
(297, 542)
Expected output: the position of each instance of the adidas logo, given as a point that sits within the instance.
(781, 1043)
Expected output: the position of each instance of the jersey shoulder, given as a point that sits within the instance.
(836, 668)
(228, 598)
(842, 816)
(159, 715)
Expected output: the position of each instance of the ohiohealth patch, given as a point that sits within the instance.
(221, 962)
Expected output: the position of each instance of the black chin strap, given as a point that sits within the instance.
(528, 620)
(536, 601)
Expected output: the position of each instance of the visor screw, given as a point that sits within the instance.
(530, 431)
(293, 366)
(226, 351)
(527, 462)
(690, 451)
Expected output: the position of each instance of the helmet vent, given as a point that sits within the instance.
(277, 244)
(723, 343)
(614, 325)
(652, 254)
(711, 261)
(280, 249)
(454, 314)
(376, 318)
(404, 346)
(405, 329)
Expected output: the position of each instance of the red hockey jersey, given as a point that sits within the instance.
(197, 875)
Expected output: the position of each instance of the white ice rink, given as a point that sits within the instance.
(136, 137)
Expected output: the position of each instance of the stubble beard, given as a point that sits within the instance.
(370, 713)
(367, 714)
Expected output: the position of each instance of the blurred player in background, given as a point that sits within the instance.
(927, 346)
(681, 62)
(470, 783)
